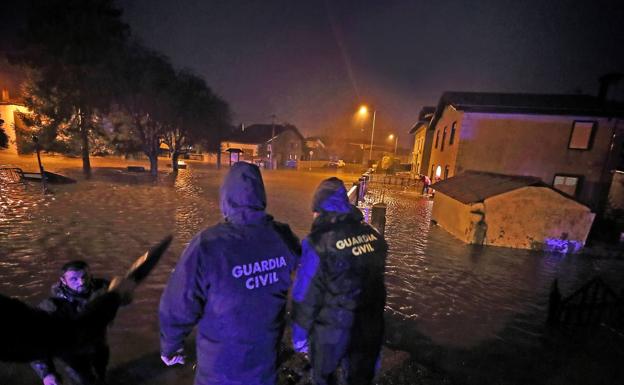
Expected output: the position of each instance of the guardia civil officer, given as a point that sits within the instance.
(339, 292)
(232, 282)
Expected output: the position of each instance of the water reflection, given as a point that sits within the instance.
(446, 300)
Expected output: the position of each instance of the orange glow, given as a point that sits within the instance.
(363, 110)
(391, 136)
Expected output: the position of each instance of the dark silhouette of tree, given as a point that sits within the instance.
(73, 48)
(143, 101)
(195, 116)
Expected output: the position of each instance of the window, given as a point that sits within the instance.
(446, 171)
(582, 135)
(437, 138)
(443, 139)
(567, 183)
(452, 138)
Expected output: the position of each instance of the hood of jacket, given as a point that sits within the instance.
(242, 194)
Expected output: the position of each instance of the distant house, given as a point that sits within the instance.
(270, 145)
(570, 142)
(422, 141)
(315, 148)
(10, 109)
(510, 211)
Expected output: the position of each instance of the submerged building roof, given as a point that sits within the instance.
(477, 186)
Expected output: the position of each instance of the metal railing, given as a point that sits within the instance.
(594, 304)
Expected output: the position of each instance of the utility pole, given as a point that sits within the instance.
(271, 140)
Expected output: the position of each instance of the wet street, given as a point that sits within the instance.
(475, 314)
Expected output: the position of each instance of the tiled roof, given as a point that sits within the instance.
(476, 186)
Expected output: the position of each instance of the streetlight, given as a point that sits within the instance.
(363, 112)
(396, 141)
(311, 153)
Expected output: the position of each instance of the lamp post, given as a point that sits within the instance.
(364, 111)
(396, 141)
(311, 153)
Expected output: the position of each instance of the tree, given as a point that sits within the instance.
(196, 115)
(142, 102)
(72, 46)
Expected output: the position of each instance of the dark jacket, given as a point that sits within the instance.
(339, 292)
(29, 333)
(232, 280)
(65, 303)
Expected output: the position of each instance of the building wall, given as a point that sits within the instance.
(287, 146)
(536, 218)
(7, 113)
(455, 217)
(421, 151)
(520, 144)
(444, 155)
(250, 151)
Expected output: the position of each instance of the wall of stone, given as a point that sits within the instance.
(537, 218)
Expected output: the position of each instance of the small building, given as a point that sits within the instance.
(10, 110)
(315, 149)
(269, 145)
(422, 141)
(570, 142)
(510, 211)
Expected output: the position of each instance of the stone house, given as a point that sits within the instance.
(510, 211)
(269, 145)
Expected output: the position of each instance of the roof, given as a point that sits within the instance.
(545, 104)
(259, 133)
(424, 117)
(477, 186)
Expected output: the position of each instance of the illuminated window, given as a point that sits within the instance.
(437, 138)
(567, 183)
(582, 135)
(438, 171)
(452, 138)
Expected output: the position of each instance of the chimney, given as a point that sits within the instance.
(606, 81)
(5, 95)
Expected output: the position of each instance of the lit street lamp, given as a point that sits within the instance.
(311, 153)
(364, 112)
(396, 141)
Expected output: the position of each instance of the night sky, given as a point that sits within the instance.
(311, 63)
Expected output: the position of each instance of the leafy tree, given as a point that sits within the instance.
(195, 115)
(73, 47)
(142, 104)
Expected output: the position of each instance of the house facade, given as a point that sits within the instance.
(568, 141)
(9, 113)
(271, 146)
(421, 151)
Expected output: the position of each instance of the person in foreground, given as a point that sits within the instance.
(339, 293)
(70, 295)
(232, 281)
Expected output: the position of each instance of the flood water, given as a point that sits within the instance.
(476, 314)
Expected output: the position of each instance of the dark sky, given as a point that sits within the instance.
(313, 62)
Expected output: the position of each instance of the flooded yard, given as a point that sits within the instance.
(475, 314)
